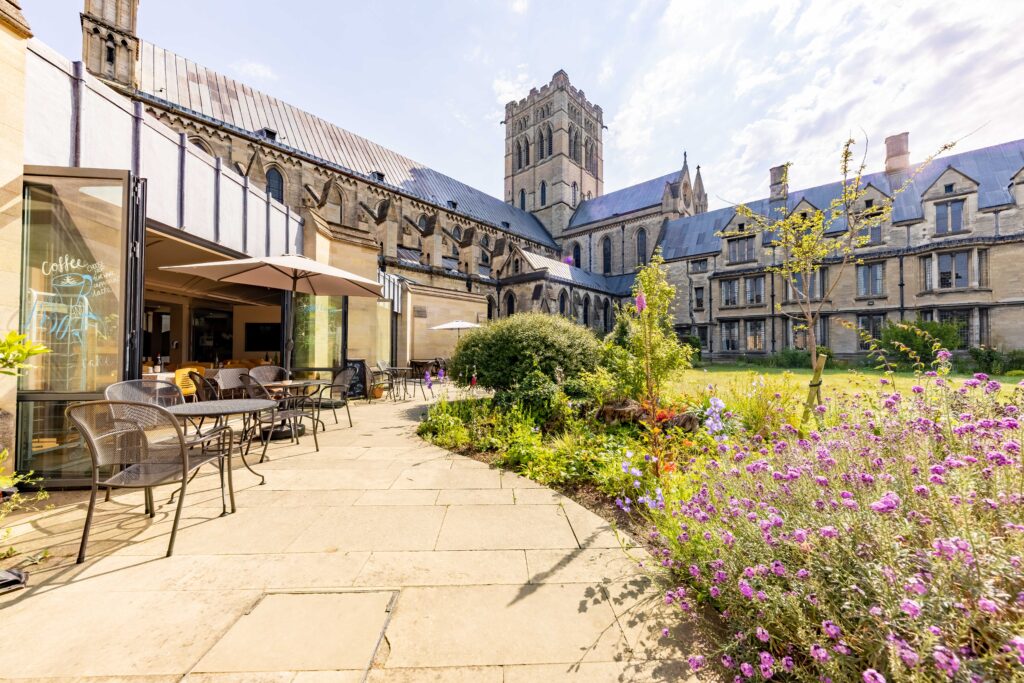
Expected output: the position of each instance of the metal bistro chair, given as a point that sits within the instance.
(291, 410)
(229, 382)
(264, 374)
(335, 394)
(145, 446)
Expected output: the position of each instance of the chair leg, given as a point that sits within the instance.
(88, 524)
(177, 516)
(334, 409)
(316, 441)
(150, 507)
(223, 501)
(349, 413)
(231, 480)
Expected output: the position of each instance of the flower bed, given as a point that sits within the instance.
(886, 545)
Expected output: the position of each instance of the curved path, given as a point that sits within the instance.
(381, 558)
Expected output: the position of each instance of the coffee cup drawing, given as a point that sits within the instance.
(70, 286)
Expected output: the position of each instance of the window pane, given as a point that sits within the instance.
(956, 216)
(941, 218)
(961, 269)
(71, 288)
(319, 330)
(945, 271)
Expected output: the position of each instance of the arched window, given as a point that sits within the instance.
(641, 247)
(485, 241)
(457, 234)
(572, 143)
(576, 260)
(540, 144)
(563, 303)
(606, 256)
(519, 155)
(522, 199)
(455, 250)
(200, 143)
(275, 184)
(526, 152)
(550, 141)
(586, 310)
(575, 193)
(543, 193)
(510, 304)
(109, 54)
(422, 223)
(606, 315)
(490, 308)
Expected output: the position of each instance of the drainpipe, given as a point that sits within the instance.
(711, 307)
(772, 314)
(902, 286)
(623, 248)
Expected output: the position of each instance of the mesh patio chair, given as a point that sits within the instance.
(265, 374)
(384, 376)
(229, 383)
(153, 391)
(144, 446)
(205, 389)
(335, 395)
(291, 410)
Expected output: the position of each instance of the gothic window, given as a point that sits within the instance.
(109, 53)
(543, 193)
(275, 184)
(540, 144)
(510, 304)
(526, 152)
(641, 247)
(606, 316)
(457, 234)
(586, 310)
(563, 303)
(550, 141)
(606, 256)
(455, 250)
(519, 155)
(199, 143)
(576, 260)
(522, 199)
(575, 193)
(485, 241)
(422, 222)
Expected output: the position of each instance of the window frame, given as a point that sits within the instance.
(734, 337)
(948, 211)
(871, 286)
(734, 296)
(748, 251)
(748, 290)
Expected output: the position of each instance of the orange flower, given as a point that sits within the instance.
(669, 467)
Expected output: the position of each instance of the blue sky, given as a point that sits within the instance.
(741, 85)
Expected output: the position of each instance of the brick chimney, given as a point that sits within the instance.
(779, 183)
(897, 153)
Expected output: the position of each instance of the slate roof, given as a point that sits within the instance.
(172, 79)
(991, 167)
(628, 199)
(617, 285)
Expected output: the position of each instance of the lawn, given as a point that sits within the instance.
(836, 379)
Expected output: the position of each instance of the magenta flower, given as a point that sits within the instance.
(830, 629)
(641, 301)
(986, 605)
(946, 661)
(911, 608)
(889, 502)
(872, 676)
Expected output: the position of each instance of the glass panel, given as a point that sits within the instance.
(47, 445)
(961, 268)
(319, 331)
(71, 287)
(945, 271)
(941, 218)
(956, 217)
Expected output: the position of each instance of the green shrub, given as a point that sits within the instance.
(538, 397)
(910, 343)
(505, 351)
(1015, 373)
(692, 341)
(444, 427)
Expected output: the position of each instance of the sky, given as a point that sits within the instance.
(741, 85)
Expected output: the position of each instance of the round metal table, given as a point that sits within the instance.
(225, 407)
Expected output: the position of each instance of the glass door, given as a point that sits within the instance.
(80, 251)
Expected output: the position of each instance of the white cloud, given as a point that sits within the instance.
(519, 6)
(752, 87)
(514, 86)
(253, 69)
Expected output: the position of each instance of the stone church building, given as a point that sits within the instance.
(557, 242)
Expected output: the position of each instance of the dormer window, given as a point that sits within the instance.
(740, 227)
(868, 203)
(505, 225)
(948, 188)
(267, 134)
(949, 217)
(452, 204)
(377, 176)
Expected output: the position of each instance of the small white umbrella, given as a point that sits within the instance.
(290, 272)
(458, 325)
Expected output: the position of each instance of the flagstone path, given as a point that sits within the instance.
(381, 558)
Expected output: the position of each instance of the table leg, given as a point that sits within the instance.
(231, 480)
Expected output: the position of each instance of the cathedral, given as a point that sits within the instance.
(558, 242)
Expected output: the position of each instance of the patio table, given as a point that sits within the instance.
(290, 387)
(225, 408)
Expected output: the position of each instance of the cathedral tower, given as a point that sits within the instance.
(110, 46)
(554, 156)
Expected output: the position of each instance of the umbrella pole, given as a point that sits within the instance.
(290, 331)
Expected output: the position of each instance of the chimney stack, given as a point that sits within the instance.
(897, 153)
(779, 183)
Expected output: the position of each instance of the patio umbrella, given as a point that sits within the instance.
(458, 325)
(290, 272)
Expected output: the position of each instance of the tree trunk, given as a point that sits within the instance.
(813, 390)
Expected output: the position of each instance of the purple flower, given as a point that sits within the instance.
(831, 630)
(911, 608)
(943, 355)
(745, 589)
(762, 635)
(872, 676)
(819, 653)
(641, 301)
(568, 259)
(986, 605)
(747, 670)
(946, 661)
(889, 502)
(828, 532)
(696, 662)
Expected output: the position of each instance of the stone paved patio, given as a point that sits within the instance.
(380, 558)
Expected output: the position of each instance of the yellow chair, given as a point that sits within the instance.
(184, 382)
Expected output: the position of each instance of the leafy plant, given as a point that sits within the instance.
(504, 352)
(15, 351)
(919, 341)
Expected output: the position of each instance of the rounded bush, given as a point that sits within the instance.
(505, 351)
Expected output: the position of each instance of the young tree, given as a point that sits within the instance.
(806, 242)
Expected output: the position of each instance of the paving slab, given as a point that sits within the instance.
(371, 527)
(448, 479)
(302, 631)
(476, 497)
(442, 568)
(503, 527)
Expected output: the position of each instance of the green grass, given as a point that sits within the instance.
(835, 379)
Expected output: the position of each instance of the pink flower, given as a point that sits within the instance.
(872, 676)
(641, 301)
(911, 608)
(986, 605)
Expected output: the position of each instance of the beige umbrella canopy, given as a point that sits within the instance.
(290, 272)
(456, 325)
